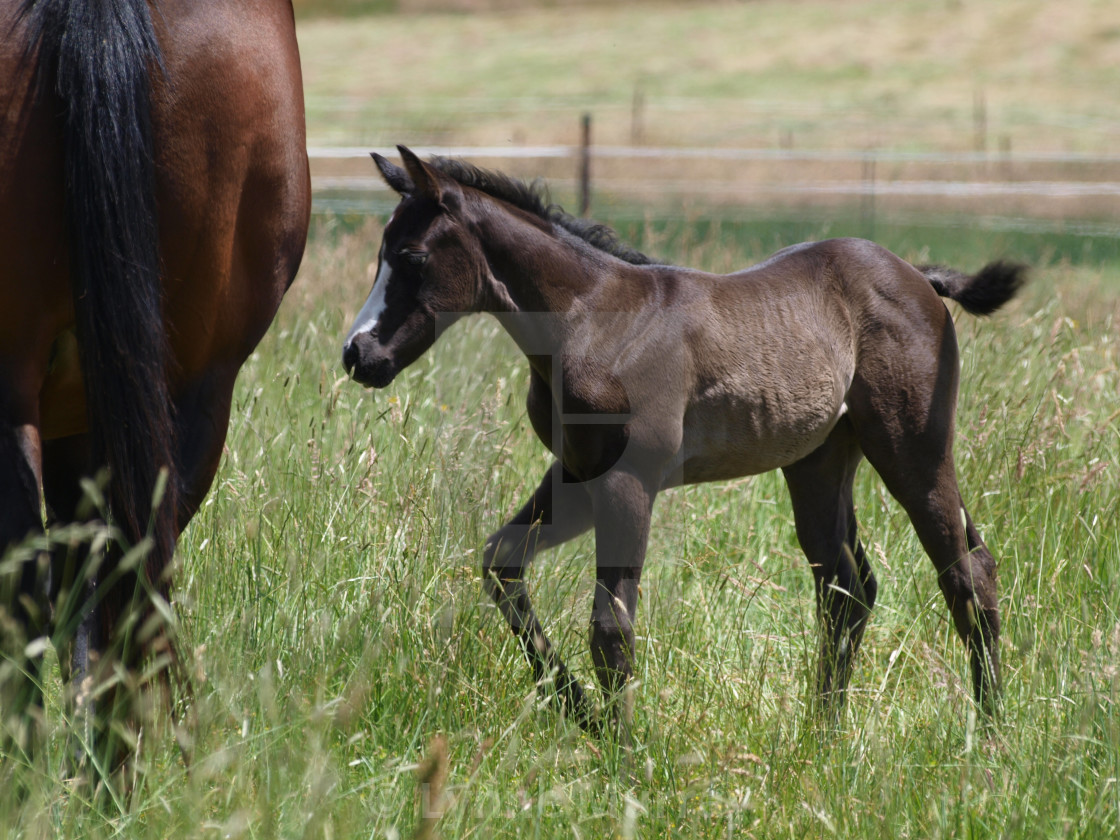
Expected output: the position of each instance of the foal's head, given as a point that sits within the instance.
(434, 264)
(429, 267)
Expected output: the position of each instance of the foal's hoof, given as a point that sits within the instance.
(585, 715)
(571, 701)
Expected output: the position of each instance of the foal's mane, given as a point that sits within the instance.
(533, 198)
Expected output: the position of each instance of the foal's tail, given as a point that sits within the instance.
(981, 293)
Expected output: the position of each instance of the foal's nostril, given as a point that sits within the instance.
(350, 356)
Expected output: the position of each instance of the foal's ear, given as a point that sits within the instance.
(428, 180)
(394, 176)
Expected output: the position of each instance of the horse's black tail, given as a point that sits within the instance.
(981, 293)
(99, 55)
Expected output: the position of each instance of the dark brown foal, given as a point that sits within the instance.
(645, 376)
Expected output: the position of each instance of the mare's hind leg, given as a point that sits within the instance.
(558, 511)
(820, 487)
(24, 610)
(78, 611)
(918, 470)
(64, 463)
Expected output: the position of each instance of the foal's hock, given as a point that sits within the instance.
(646, 376)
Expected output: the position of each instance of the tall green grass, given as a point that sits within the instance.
(329, 604)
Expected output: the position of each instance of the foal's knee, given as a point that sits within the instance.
(494, 567)
(505, 556)
(502, 547)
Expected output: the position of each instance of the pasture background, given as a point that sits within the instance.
(328, 591)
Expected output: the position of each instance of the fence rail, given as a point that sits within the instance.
(1051, 186)
(717, 154)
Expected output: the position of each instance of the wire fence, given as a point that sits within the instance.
(1045, 190)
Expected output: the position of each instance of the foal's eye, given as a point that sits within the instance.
(412, 256)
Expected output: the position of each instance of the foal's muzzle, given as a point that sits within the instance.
(367, 362)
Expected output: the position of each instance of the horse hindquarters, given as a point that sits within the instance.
(230, 117)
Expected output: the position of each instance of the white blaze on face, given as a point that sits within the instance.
(375, 304)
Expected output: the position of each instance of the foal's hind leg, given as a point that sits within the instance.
(558, 511)
(918, 470)
(820, 486)
(966, 571)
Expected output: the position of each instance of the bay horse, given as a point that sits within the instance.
(646, 376)
(154, 207)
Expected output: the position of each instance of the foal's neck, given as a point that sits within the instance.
(540, 277)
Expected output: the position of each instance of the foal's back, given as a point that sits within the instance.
(773, 351)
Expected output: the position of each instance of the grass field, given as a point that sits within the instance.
(812, 73)
(329, 602)
(329, 597)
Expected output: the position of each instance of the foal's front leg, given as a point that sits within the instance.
(558, 511)
(623, 504)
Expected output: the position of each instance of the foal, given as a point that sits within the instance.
(648, 376)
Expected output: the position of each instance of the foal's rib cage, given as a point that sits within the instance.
(644, 376)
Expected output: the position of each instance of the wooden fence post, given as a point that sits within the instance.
(637, 116)
(867, 202)
(585, 167)
(979, 120)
